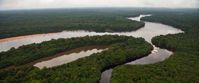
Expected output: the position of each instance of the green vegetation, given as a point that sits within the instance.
(15, 23)
(29, 53)
(83, 70)
(182, 66)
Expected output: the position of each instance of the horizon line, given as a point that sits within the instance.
(88, 8)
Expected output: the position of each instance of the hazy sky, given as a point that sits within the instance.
(31, 4)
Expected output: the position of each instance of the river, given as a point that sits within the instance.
(147, 32)
(69, 56)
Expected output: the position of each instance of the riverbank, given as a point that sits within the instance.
(181, 67)
(22, 37)
(29, 53)
(76, 50)
(37, 22)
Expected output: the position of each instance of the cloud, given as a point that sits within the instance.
(30, 4)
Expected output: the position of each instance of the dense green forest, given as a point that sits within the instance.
(182, 66)
(15, 23)
(25, 22)
(84, 70)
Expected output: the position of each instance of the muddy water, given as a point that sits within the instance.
(8, 43)
(147, 32)
(69, 56)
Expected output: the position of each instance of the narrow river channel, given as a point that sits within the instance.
(69, 57)
(147, 32)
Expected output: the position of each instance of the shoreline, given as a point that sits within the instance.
(75, 50)
(24, 36)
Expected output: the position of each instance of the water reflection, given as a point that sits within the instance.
(63, 59)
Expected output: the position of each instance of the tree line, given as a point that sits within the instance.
(34, 22)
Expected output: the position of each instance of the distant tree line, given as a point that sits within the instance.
(34, 22)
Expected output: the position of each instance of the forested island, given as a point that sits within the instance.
(84, 70)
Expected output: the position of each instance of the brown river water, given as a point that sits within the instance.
(69, 56)
(150, 30)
